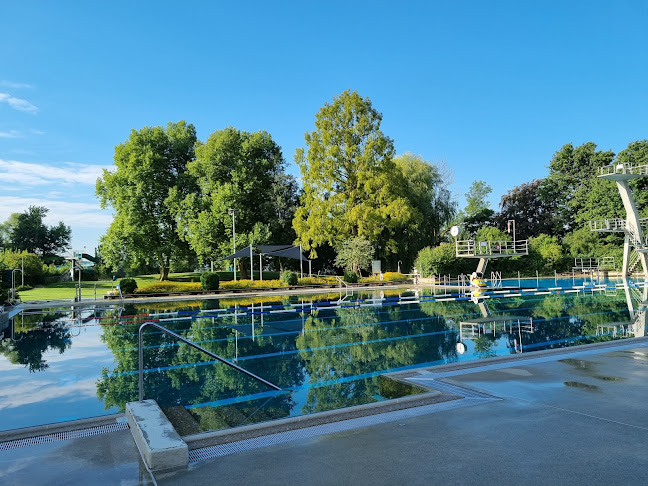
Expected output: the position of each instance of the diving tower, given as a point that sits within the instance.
(486, 250)
(633, 227)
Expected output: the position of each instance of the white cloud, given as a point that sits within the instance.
(88, 215)
(18, 103)
(11, 134)
(16, 172)
(13, 85)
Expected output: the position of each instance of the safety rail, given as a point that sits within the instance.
(623, 168)
(611, 225)
(491, 249)
(193, 345)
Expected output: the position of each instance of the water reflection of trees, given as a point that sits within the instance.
(31, 337)
(341, 344)
(183, 380)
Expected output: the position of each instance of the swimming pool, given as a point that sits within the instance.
(326, 352)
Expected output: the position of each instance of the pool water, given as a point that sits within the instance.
(326, 352)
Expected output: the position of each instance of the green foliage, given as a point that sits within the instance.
(127, 285)
(490, 233)
(546, 252)
(289, 278)
(150, 165)
(436, 261)
(235, 170)
(209, 281)
(426, 190)
(351, 185)
(26, 231)
(355, 254)
(350, 276)
(477, 198)
(31, 262)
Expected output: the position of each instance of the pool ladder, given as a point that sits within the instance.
(193, 345)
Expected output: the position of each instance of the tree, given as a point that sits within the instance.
(572, 175)
(150, 164)
(26, 231)
(235, 170)
(477, 212)
(532, 210)
(351, 185)
(426, 190)
(355, 254)
(477, 198)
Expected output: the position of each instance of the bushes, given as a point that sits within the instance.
(438, 260)
(127, 285)
(350, 277)
(289, 278)
(209, 281)
(164, 287)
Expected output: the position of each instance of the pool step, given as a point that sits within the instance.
(182, 420)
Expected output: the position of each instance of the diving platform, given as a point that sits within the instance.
(491, 249)
(486, 250)
(614, 225)
(623, 172)
(635, 247)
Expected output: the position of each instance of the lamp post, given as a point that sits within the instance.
(232, 213)
(508, 230)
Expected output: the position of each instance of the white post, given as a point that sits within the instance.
(310, 270)
(301, 263)
(232, 212)
(22, 271)
(260, 266)
(251, 264)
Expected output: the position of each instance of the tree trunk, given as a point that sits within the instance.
(164, 273)
(243, 269)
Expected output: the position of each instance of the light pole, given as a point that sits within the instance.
(13, 283)
(508, 230)
(232, 213)
(399, 264)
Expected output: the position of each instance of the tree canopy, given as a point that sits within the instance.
(241, 171)
(27, 231)
(348, 178)
(150, 164)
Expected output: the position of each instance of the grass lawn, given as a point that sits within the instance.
(66, 290)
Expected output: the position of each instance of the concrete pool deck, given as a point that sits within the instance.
(575, 417)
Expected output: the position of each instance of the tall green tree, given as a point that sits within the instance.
(27, 231)
(151, 163)
(477, 212)
(427, 192)
(351, 185)
(240, 171)
(573, 174)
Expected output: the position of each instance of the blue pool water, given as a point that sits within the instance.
(326, 352)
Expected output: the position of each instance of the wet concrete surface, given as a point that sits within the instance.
(573, 419)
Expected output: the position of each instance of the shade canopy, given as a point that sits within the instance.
(286, 251)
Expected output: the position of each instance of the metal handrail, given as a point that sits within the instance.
(193, 345)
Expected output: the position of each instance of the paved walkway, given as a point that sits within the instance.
(578, 418)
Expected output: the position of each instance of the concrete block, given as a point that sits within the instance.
(159, 443)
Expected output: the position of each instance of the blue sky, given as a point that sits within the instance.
(491, 89)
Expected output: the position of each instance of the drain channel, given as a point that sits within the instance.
(59, 436)
(220, 450)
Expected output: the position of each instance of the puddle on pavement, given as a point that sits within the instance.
(582, 386)
(609, 378)
(581, 364)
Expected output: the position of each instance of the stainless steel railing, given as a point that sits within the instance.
(193, 345)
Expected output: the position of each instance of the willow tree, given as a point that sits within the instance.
(350, 182)
(151, 163)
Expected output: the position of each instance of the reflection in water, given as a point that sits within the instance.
(324, 355)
